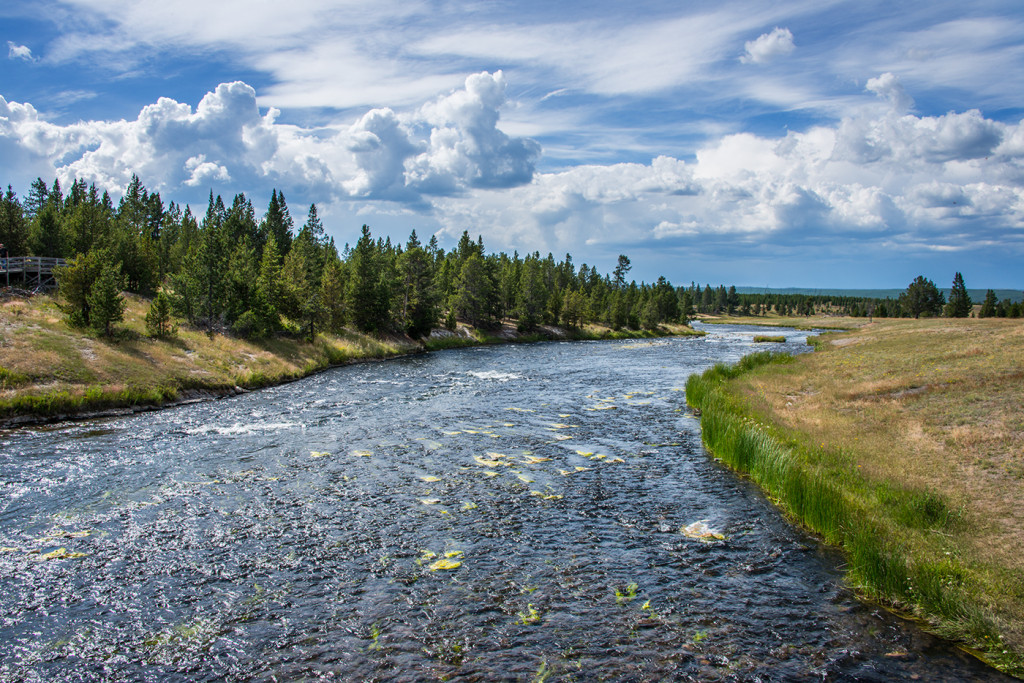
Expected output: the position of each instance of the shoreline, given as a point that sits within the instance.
(144, 374)
(821, 436)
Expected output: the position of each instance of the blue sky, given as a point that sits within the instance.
(793, 143)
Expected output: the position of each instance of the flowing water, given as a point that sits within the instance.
(536, 512)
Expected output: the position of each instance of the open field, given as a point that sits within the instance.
(903, 443)
(49, 369)
(799, 322)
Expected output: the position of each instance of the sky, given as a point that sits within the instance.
(797, 143)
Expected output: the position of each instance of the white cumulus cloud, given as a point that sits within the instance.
(889, 87)
(449, 145)
(768, 46)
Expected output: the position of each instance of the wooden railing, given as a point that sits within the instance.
(35, 272)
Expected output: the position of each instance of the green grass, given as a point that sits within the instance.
(891, 534)
(764, 338)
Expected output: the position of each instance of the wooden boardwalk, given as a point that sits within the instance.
(34, 272)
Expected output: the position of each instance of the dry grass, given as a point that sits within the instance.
(40, 356)
(800, 322)
(934, 405)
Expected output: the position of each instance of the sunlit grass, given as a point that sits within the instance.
(901, 443)
(48, 368)
(800, 322)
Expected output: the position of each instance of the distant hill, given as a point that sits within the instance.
(977, 295)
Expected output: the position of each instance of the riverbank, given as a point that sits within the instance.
(902, 443)
(798, 322)
(50, 371)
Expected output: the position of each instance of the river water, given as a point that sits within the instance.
(534, 512)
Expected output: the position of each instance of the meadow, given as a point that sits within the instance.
(902, 443)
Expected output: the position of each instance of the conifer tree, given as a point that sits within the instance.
(75, 283)
(240, 283)
(158, 318)
(959, 305)
(106, 304)
(269, 295)
(473, 291)
(921, 297)
(277, 222)
(531, 300)
(13, 226)
(988, 307)
(365, 303)
(36, 199)
(573, 308)
(332, 295)
(686, 312)
(622, 268)
(418, 302)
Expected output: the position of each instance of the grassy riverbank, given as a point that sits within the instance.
(903, 444)
(48, 369)
(799, 322)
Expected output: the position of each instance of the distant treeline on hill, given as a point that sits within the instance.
(230, 271)
(1013, 295)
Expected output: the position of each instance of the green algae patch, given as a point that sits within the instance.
(61, 554)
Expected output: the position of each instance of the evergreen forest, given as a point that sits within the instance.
(231, 271)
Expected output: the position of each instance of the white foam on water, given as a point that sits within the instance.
(239, 428)
(495, 375)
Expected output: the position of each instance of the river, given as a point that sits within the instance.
(524, 512)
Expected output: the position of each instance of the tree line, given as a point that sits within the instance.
(228, 270)
(231, 271)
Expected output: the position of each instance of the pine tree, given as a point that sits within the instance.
(13, 226)
(36, 199)
(44, 234)
(573, 308)
(75, 283)
(732, 300)
(277, 222)
(365, 303)
(158, 318)
(622, 268)
(686, 308)
(240, 288)
(418, 302)
(106, 304)
(268, 297)
(473, 291)
(959, 305)
(988, 308)
(531, 299)
(921, 297)
(332, 295)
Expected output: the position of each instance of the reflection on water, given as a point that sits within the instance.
(541, 512)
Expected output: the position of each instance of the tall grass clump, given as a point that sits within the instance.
(882, 528)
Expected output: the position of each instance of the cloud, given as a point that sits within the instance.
(466, 147)
(768, 46)
(888, 87)
(877, 185)
(15, 51)
(449, 145)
